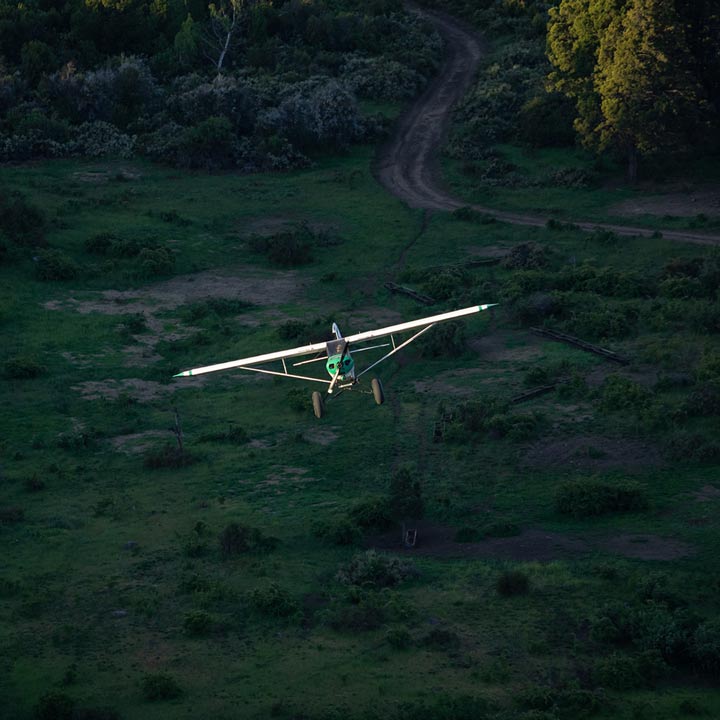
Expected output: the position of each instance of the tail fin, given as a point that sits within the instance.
(336, 331)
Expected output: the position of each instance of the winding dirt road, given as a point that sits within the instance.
(408, 164)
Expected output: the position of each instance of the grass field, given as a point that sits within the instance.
(112, 575)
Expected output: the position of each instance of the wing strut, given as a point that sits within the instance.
(396, 349)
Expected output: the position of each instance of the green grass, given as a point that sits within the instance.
(67, 567)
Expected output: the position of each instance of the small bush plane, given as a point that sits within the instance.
(339, 361)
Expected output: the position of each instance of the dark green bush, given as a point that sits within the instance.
(289, 248)
(168, 456)
(586, 498)
(54, 265)
(11, 515)
(154, 261)
(398, 638)
(705, 647)
(405, 501)
(372, 570)
(366, 613)
(55, 706)
(526, 256)
(620, 671)
(620, 393)
(198, 623)
(159, 686)
(372, 513)
(22, 367)
(21, 221)
(222, 307)
(444, 340)
(693, 447)
(468, 535)
(234, 435)
(236, 539)
(274, 601)
(340, 531)
(513, 582)
(441, 639)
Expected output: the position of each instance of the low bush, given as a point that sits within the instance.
(55, 705)
(22, 367)
(168, 456)
(398, 638)
(441, 639)
(289, 248)
(513, 582)
(365, 613)
(620, 393)
(705, 648)
(159, 686)
(587, 498)
(222, 307)
(445, 340)
(53, 265)
(198, 623)
(620, 671)
(374, 571)
(340, 531)
(693, 447)
(372, 513)
(11, 515)
(237, 539)
(155, 261)
(500, 528)
(21, 221)
(526, 256)
(233, 435)
(274, 601)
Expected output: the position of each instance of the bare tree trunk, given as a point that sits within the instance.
(178, 431)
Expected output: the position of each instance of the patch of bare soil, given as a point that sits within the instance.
(592, 452)
(321, 436)
(135, 443)
(504, 346)
(647, 547)
(678, 204)
(140, 390)
(707, 493)
(287, 474)
(532, 545)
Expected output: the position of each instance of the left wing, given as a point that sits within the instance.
(256, 359)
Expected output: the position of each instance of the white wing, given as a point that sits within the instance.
(392, 329)
(321, 347)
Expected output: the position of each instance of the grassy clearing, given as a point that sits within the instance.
(115, 571)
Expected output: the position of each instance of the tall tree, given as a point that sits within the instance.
(649, 99)
(627, 66)
(225, 16)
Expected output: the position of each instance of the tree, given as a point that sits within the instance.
(405, 498)
(648, 97)
(225, 16)
(627, 66)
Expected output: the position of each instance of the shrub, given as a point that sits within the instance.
(236, 539)
(513, 582)
(55, 706)
(160, 687)
(446, 339)
(102, 139)
(398, 638)
(372, 513)
(693, 447)
(526, 256)
(705, 647)
(22, 367)
(586, 498)
(341, 531)
(620, 393)
(441, 639)
(54, 265)
(234, 435)
(11, 515)
(366, 613)
(273, 601)
(372, 570)
(619, 671)
(168, 456)
(500, 528)
(289, 248)
(209, 145)
(405, 501)
(468, 535)
(222, 307)
(198, 623)
(154, 261)
(546, 120)
(22, 222)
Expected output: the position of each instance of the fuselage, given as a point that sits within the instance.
(339, 357)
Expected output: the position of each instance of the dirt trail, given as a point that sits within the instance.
(408, 165)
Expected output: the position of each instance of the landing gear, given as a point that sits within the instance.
(318, 404)
(377, 391)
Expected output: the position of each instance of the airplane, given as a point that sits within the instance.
(339, 362)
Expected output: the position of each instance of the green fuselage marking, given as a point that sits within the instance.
(332, 365)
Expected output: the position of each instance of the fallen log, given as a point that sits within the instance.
(576, 342)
